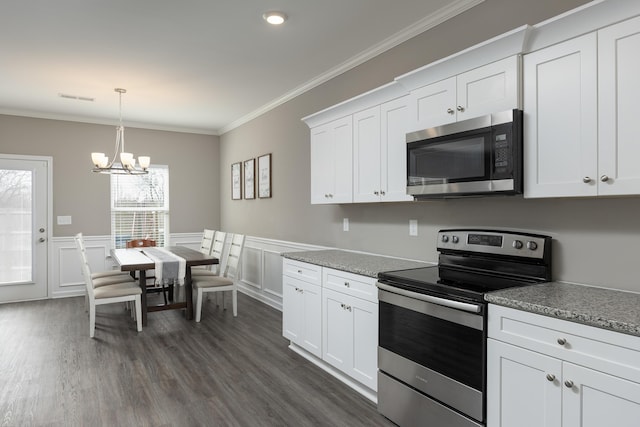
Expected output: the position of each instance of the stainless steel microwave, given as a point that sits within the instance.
(475, 157)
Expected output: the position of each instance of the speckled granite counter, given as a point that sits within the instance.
(353, 262)
(604, 308)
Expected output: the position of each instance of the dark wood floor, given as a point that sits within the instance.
(223, 371)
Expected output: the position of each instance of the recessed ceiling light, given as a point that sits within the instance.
(274, 18)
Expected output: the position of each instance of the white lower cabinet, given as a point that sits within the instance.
(302, 306)
(548, 372)
(350, 336)
(333, 315)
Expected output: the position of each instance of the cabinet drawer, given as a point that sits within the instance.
(311, 273)
(351, 284)
(604, 350)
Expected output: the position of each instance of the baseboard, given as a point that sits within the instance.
(363, 390)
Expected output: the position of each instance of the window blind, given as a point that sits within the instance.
(140, 207)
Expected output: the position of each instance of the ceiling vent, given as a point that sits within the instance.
(79, 98)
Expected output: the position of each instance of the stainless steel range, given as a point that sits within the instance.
(432, 325)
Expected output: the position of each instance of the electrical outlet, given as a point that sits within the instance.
(345, 224)
(413, 227)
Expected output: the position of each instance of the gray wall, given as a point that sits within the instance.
(193, 161)
(588, 232)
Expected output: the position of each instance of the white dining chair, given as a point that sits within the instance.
(119, 275)
(227, 281)
(124, 291)
(205, 247)
(216, 249)
(100, 278)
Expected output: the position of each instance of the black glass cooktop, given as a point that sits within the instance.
(451, 282)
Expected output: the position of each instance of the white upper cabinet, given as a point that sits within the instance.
(489, 89)
(484, 90)
(331, 162)
(434, 104)
(618, 94)
(379, 153)
(353, 146)
(560, 122)
(580, 107)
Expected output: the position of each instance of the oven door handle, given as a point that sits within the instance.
(471, 308)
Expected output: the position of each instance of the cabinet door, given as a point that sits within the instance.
(618, 94)
(596, 399)
(433, 105)
(394, 120)
(366, 151)
(343, 140)
(292, 309)
(488, 89)
(302, 314)
(331, 162)
(560, 123)
(322, 164)
(337, 331)
(312, 319)
(365, 341)
(523, 387)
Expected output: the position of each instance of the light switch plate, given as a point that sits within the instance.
(413, 227)
(345, 224)
(64, 220)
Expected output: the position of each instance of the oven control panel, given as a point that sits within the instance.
(497, 242)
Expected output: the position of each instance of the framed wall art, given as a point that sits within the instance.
(236, 181)
(264, 176)
(249, 179)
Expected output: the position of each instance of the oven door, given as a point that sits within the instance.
(434, 345)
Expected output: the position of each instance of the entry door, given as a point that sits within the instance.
(24, 227)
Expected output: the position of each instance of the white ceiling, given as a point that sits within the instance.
(201, 66)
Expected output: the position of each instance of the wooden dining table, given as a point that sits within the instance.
(134, 259)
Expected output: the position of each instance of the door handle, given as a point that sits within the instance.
(42, 240)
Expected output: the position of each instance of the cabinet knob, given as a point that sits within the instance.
(299, 271)
(382, 193)
(551, 377)
(604, 178)
(450, 111)
(460, 108)
(568, 384)
(586, 180)
(376, 193)
(347, 284)
(562, 341)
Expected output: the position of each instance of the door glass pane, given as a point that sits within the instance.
(16, 202)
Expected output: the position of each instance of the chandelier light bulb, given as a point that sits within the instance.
(144, 161)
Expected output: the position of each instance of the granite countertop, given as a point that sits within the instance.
(354, 262)
(603, 308)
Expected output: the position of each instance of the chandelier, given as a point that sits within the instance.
(127, 161)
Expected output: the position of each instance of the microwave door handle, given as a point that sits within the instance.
(471, 308)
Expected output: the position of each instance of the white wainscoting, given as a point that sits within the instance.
(260, 268)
